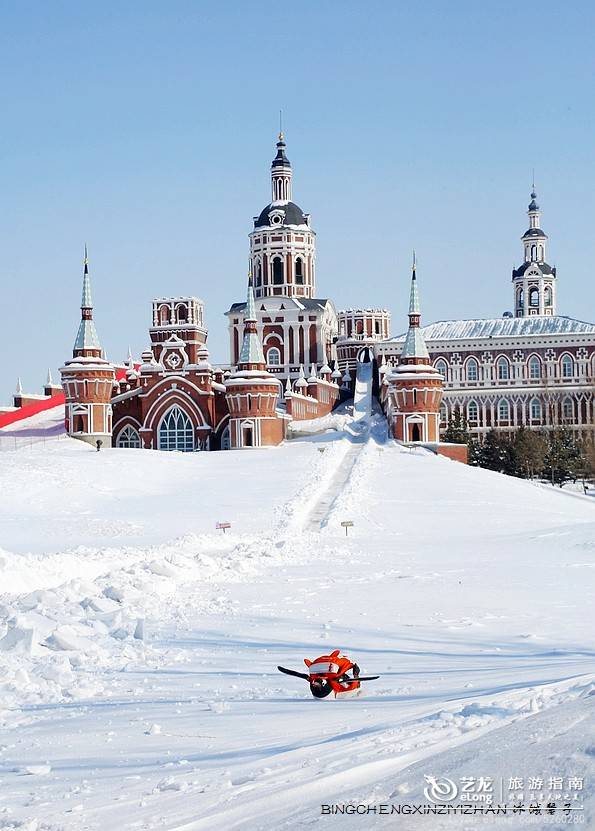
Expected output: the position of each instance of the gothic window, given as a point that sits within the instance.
(547, 294)
(226, 439)
(472, 411)
(258, 275)
(534, 368)
(533, 252)
(441, 367)
(164, 315)
(175, 431)
(128, 437)
(567, 367)
(535, 407)
(534, 297)
(503, 410)
(472, 369)
(274, 356)
(503, 369)
(567, 409)
(443, 413)
(299, 271)
(182, 314)
(277, 271)
(520, 297)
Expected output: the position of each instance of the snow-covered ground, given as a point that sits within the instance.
(138, 670)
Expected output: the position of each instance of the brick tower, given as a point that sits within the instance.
(414, 387)
(88, 378)
(252, 392)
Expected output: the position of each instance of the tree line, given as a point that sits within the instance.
(557, 455)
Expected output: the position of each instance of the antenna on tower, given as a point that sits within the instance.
(533, 177)
(280, 125)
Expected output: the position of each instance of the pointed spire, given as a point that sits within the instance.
(288, 389)
(281, 173)
(49, 381)
(251, 353)
(301, 381)
(87, 342)
(414, 348)
(19, 387)
(414, 295)
(312, 379)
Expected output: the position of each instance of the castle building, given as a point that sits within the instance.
(534, 369)
(87, 378)
(295, 326)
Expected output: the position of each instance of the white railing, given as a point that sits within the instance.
(9, 442)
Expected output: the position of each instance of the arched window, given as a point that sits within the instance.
(182, 314)
(164, 315)
(277, 271)
(359, 327)
(540, 253)
(503, 410)
(258, 273)
(226, 439)
(443, 413)
(535, 407)
(547, 296)
(299, 271)
(128, 437)
(503, 369)
(441, 367)
(520, 297)
(534, 297)
(274, 356)
(175, 431)
(567, 367)
(533, 252)
(567, 409)
(472, 411)
(472, 368)
(534, 368)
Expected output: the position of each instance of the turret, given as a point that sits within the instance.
(88, 379)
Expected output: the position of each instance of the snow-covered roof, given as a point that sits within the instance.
(446, 330)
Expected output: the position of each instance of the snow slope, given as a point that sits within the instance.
(139, 687)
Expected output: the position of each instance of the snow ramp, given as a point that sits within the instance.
(364, 378)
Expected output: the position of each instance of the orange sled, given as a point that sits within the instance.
(330, 673)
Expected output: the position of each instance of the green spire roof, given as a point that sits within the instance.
(251, 346)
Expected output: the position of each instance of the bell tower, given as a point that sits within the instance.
(283, 244)
(534, 282)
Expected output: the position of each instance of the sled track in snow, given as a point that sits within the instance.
(318, 515)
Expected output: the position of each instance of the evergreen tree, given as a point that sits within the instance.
(530, 449)
(492, 454)
(458, 429)
(563, 459)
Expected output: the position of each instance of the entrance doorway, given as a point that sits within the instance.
(247, 437)
(415, 433)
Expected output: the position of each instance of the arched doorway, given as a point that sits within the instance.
(415, 433)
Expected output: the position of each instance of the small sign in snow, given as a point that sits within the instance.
(347, 524)
(223, 526)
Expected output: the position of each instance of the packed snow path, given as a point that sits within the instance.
(469, 592)
(364, 377)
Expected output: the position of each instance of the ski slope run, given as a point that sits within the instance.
(141, 692)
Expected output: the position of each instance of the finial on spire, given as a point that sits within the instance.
(414, 264)
(281, 136)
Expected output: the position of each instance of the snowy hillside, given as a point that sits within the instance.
(138, 645)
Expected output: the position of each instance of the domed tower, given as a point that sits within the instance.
(252, 392)
(282, 244)
(534, 282)
(88, 378)
(414, 387)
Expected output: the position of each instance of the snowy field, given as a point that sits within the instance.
(138, 646)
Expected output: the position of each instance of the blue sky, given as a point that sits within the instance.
(147, 131)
